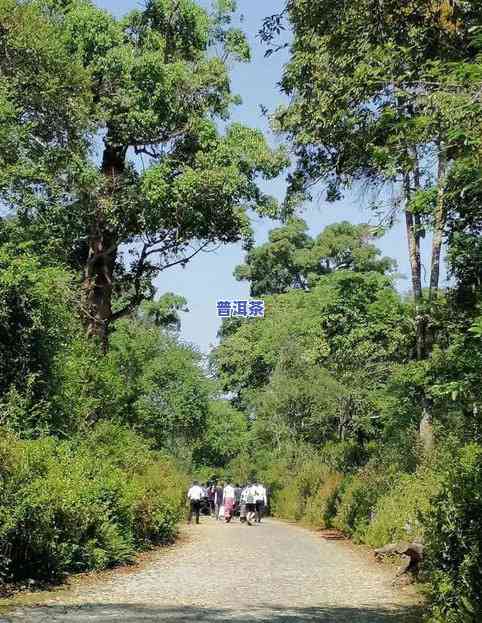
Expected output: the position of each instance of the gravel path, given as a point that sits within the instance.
(275, 572)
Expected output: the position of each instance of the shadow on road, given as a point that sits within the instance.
(128, 613)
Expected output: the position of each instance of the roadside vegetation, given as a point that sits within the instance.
(113, 168)
(358, 405)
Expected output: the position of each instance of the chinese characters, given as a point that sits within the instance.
(240, 309)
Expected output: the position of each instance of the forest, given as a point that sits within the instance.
(357, 403)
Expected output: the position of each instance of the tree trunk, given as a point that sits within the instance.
(103, 245)
(439, 222)
(413, 237)
(99, 274)
(426, 428)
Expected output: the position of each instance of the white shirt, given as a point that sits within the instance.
(229, 492)
(249, 492)
(260, 494)
(244, 495)
(195, 493)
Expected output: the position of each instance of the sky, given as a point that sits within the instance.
(209, 277)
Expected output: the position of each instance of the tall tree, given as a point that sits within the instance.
(313, 368)
(159, 94)
(293, 259)
(364, 81)
(44, 103)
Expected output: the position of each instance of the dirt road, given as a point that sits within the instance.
(274, 572)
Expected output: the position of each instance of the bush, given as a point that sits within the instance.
(454, 540)
(358, 497)
(83, 504)
(344, 456)
(304, 489)
(321, 507)
(398, 513)
(291, 500)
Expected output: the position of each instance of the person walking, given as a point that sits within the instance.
(249, 496)
(204, 499)
(211, 497)
(195, 495)
(242, 505)
(237, 498)
(261, 501)
(229, 501)
(218, 498)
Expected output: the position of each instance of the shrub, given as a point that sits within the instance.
(83, 504)
(398, 512)
(358, 497)
(454, 540)
(344, 456)
(321, 507)
(304, 489)
(303, 483)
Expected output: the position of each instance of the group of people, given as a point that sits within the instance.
(224, 501)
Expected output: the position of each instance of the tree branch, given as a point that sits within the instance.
(185, 260)
(137, 297)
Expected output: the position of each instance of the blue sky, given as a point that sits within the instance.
(209, 277)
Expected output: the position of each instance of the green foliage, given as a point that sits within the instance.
(398, 513)
(206, 197)
(364, 91)
(53, 381)
(454, 539)
(275, 266)
(301, 483)
(83, 504)
(292, 259)
(357, 500)
(101, 494)
(330, 381)
(157, 83)
(156, 384)
(225, 436)
(306, 488)
(42, 124)
(303, 368)
(464, 230)
(328, 389)
(164, 311)
(321, 507)
(36, 321)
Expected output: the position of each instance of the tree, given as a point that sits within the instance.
(464, 231)
(225, 435)
(302, 403)
(292, 259)
(367, 104)
(158, 93)
(156, 385)
(453, 539)
(276, 266)
(164, 312)
(341, 339)
(44, 104)
(37, 320)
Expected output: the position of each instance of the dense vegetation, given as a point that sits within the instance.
(359, 406)
(85, 503)
(365, 404)
(113, 168)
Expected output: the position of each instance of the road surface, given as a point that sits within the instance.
(274, 572)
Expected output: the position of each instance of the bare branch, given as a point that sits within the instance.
(137, 297)
(144, 150)
(105, 253)
(186, 259)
